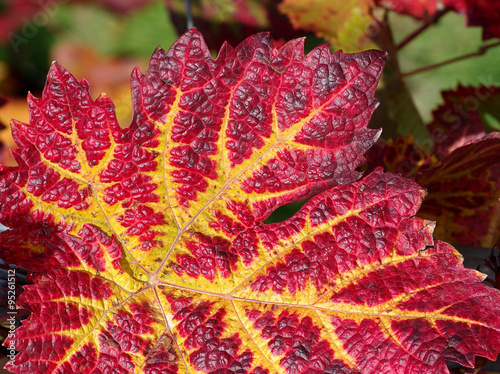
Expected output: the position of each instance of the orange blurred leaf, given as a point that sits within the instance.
(346, 24)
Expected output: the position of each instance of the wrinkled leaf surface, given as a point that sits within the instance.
(149, 246)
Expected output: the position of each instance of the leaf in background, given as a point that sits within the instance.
(16, 13)
(6, 141)
(346, 24)
(232, 20)
(419, 9)
(459, 119)
(463, 189)
(403, 157)
(464, 193)
(120, 5)
(482, 13)
(149, 243)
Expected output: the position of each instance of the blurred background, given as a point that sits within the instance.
(99, 40)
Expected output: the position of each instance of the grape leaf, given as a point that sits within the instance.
(464, 188)
(402, 156)
(149, 246)
(464, 193)
(480, 13)
(419, 9)
(461, 117)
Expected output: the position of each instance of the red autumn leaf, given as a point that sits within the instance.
(458, 120)
(420, 9)
(120, 5)
(464, 193)
(464, 188)
(482, 13)
(423, 9)
(151, 252)
(403, 156)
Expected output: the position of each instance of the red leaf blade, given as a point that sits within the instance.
(149, 243)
